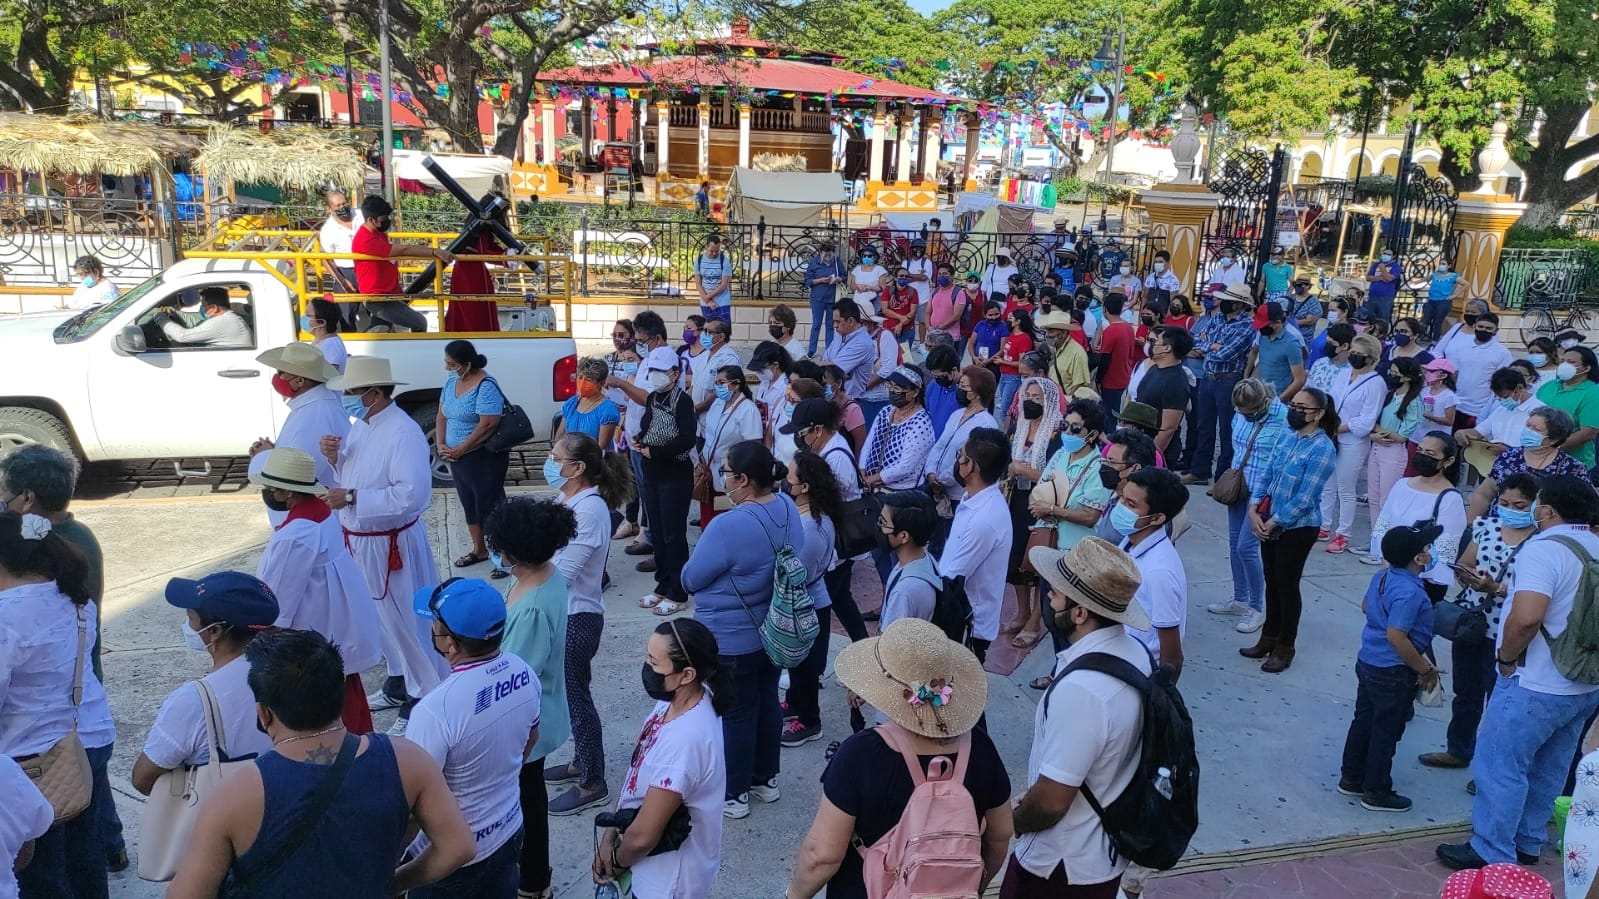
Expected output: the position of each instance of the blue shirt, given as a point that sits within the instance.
(1300, 468)
(939, 401)
(988, 336)
(715, 275)
(1384, 290)
(591, 421)
(1274, 432)
(1442, 286)
(461, 413)
(730, 570)
(1396, 599)
(1275, 358)
(824, 294)
(1301, 306)
(1236, 336)
(535, 632)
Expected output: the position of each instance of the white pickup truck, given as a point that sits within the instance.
(106, 384)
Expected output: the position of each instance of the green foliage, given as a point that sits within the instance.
(869, 34)
(1554, 238)
(1070, 187)
(1272, 89)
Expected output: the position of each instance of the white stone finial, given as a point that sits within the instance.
(1185, 145)
(1492, 159)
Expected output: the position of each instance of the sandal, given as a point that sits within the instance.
(625, 530)
(470, 559)
(650, 600)
(1026, 639)
(1040, 683)
(668, 607)
(1012, 627)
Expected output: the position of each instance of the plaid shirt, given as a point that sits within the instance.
(1236, 337)
(1302, 467)
(1274, 432)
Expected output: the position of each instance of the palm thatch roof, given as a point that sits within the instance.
(83, 145)
(291, 158)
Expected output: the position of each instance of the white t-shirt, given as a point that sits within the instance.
(887, 360)
(476, 724)
(336, 236)
(1504, 425)
(582, 560)
(1547, 567)
(334, 350)
(25, 815)
(98, 295)
(178, 735)
(1164, 590)
(841, 459)
(684, 756)
(724, 425)
(872, 284)
(1436, 404)
(924, 289)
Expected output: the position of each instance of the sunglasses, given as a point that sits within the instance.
(1073, 427)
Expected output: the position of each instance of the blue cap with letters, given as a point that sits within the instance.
(467, 606)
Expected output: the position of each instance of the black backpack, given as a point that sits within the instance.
(1144, 826)
(952, 608)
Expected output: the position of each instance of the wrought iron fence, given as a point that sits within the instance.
(41, 237)
(1533, 278)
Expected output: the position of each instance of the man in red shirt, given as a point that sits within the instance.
(1117, 344)
(381, 276)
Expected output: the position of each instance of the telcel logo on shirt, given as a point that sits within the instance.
(500, 689)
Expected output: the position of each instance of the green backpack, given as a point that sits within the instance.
(790, 626)
(1576, 651)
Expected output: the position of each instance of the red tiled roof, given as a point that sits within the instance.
(780, 75)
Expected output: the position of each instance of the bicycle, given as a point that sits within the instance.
(1546, 296)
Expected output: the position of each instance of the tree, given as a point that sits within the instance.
(882, 38)
(42, 44)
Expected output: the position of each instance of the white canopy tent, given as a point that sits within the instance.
(795, 199)
(476, 174)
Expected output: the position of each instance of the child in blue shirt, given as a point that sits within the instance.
(1394, 660)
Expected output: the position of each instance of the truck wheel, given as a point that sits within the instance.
(21, 426)
(426, 416)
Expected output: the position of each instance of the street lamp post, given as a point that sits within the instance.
(1115, 58)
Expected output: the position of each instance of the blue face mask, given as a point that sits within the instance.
(827, 391)
(499, 562)
(88, 281)
(1124, 520)
(1530, 438)
(788, 410)
(1515, 518)
(1432, 559)
(352, 406)
(705, 339)
(629, 368)
(305, 323)
(724, 392)
(1071, 443)
(1538, 360)
(1508, 402)
(553, 476)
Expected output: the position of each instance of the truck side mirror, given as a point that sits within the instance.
(130, 340)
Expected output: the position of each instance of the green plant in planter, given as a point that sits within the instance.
(1070, 187)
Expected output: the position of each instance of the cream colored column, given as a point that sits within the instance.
(974, 135)
(663, 144)
(547, 130)
(744, 135)
(705, 141)
(902, 155)
(875, 173)
(927, 144)
(1481, 223)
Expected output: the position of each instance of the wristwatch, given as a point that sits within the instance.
(349, 497)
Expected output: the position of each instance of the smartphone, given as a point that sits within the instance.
(1463, 569)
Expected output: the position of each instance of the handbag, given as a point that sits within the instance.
(1459, 621)
(1230, 486)
(515, 428)
(1045, 536)
(174, 804)
(855, 525)
(705, 485)
(62, 772)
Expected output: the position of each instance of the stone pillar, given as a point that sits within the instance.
(902, 154)
(610, 118)
(704, 161)
(1481, 223)
(547, 128)
(974, 137)
(874, 171)
(663, 146)
(744, 135)
(928, 157)
(1177, 214)
(586, 131)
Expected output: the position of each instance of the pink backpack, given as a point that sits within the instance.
(936, 849)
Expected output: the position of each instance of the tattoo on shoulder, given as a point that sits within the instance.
(321, 755)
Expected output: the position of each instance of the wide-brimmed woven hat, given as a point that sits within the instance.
(1054, 318)
(290, 469)
(921, 679)
(1097, 576)
(361, 372)
(300, 359)
(1236, 293)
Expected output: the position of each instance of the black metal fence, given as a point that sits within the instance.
(1533, 278)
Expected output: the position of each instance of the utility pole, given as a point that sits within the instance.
(386, 86)
(1115, 107)
(349, 89)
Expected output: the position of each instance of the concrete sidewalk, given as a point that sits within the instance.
(1269, 745)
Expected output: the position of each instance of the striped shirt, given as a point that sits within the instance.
(1301, 468)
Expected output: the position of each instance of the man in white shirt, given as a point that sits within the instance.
(921, 273)
(306, 563)
(1149, 499)
(1227, 272)
(1477, 361)
(1514, 400)
(996, 277)
(479, 726)
(222, 327)
(1087, 730)
(387, 483)
(974, 381)
(980, 536)
(1530, 729)
(874, 398)
(301, 377)
(335, 236)
(852, 349)
(24, 817)
(1462, 331)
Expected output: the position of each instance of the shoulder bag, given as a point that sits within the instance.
(174, 804)
(515, 428)
(62, 773)
(240, 885)
(1230, 486)
(1459, 620)
(1045, 535)
(704, 484)
(855, 526)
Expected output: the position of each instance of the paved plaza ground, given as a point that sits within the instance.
(1269, 745)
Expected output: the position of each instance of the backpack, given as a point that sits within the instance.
(952, 608)
(790, 626)
(1145, 826)
(936, 849)
(1576, 651)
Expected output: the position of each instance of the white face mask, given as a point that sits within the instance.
(1160, 267)
(192, 638)
(660, 380)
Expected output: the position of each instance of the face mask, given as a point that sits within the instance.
(1432, 560)
(1469, 318)
(1032, 410)
(1360, 329)
(724, 392)
(1508, 402)
(630, 368)
(1515, 518)
(1297, 420)
(1226, 260)
(280, 384)
(1124, 520)
(344, 213)
(776, 331)
(899, 399)
(655, 685)
(1485, 336)
(660, 380)
(1208, 303)
(1568, 343)
(706, 339)
(192, 638)
(788, 411)
(623, 343)
(305, 323)
(1149, 348)
(1442, 268)
(269, 496)
(1538, 360)
(1073, 443)
(689, 336)
(971, 285)
(1388, 257)
(1332, 317)
(553, 476)
(1160, 267)
(587, 389)
(1530, 439)
(1565, 371)
(827, 391)
(943, 280)
(1426, 466)
(642, 348)
(383, 224)
(1401, 340)
(353, 407)
(963, 397)
(88, 281)
(868, 260)
(1109, 477)
(1359, 360)
(903, 282)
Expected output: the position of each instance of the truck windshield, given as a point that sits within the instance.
(85, 323)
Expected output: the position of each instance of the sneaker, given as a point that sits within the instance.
(1371, 560)
(1350, 788)
(379, 701)
(1228, 607)
(797, 734)
(1363, 499)
(576, 799)
(766, 792)
(566, 772)
(782, 683)
(737, 808)
(397, 729)
(1251, 622)
(1386, 801)
(1323, 535)
(1339, 544)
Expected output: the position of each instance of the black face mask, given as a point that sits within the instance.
(899, 399)
(276, 505)
(1469, 319)
(776, 331)
(655, 685)
(1485, 336)
(956, 472)
(343, 214)
(383, 224)
(1032, 410)
(1359, 360)
(1109, 477)
(1297, 419)
(1426, 466)
(963, 397)
(943, 380)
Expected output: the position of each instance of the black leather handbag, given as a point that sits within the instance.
(515, 429)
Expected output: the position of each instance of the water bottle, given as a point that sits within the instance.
(607, 890)
(1163, 782)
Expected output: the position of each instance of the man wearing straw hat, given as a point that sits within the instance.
(318, 585)
(387, 485)
(1086, 731)
(301, 374)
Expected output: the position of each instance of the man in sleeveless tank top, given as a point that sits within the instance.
(324, 814)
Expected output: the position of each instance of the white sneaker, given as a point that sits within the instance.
(737, 808)
(1228, 607)
(1251, 622)
(1371, 560)
(397, 729)
(766, 792)
(378, 701)
(782, 680)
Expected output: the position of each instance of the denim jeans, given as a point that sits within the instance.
(821, 323)
(69, 861)
(1215, 424)
(1433, 313)
(1249, 577)
(753, 725)
(1524, 749)
(1472, 671)
(1110, 399)
(1191, 417)
(1008, 385)
(494, 877)
(1382, 708)
(805, 680)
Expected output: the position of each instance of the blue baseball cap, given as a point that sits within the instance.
(467, 606)
(232, 597)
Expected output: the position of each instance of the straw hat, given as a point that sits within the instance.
(302, 360)
(921, 679)
(1054, 318)
(361, 372)
(289, 469)
(1236, 293)
(1097, 576)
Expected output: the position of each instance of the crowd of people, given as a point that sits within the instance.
(1033, 451)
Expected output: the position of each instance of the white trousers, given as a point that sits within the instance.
(1338, 497)
(406, 639)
